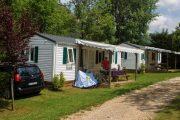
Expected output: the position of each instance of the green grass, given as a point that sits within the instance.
(171, 112)
(54, 105)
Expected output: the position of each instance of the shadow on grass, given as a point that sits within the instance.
(4, 105)
(173, 106)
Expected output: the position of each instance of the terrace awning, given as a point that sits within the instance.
(157, 49)
(129, 50)
(98, 45)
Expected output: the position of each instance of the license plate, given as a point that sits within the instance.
(33, 83)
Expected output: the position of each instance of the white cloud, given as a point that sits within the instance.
(171, 5)
(163, 22)
(64, 1)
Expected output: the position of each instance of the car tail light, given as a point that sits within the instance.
(17, 78)
(42, 75)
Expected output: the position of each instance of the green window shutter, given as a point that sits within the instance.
(74, 49)
(65, 55)
(36, 54)
(116, 57)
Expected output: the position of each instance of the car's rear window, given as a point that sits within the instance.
(28, 70)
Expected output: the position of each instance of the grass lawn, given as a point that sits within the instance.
(54, 105)
(171, 112)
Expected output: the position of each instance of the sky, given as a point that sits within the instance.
(169, 15)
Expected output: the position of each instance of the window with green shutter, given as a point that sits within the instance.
(142, 56)
(125, 55)
(36, 54)
(116, 57)
(65, 55)
(74, 49)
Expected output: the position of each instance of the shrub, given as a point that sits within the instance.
(4, 82)
(58, 81)
(143, 68)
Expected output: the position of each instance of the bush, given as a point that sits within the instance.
(143, 68)
(58, 81)
(4, 82)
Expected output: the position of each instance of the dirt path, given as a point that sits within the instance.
(137, 105)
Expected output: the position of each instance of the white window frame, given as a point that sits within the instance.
(68, 60)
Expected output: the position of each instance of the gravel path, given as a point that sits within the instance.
(136, 105)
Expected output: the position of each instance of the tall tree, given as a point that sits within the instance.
(176, 39)
(162, 39)
(94, 19)
(14, 34)
(132, 19)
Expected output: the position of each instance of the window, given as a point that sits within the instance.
(142, 56)
(70, 56)
(33, 55)
(124, 55)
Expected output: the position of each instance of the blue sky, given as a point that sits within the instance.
(169, 15)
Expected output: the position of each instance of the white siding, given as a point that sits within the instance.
(45, 56)
(130, 62)
(60, 67)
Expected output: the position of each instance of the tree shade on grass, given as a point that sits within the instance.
(171, 112)
(55, 105)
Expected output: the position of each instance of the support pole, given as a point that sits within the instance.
(167, 64)
(136, 56)
(175, 63)
(110, 62)
(12, 93)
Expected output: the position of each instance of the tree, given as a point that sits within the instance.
(14, 34)
(176, 39)
(132, 19)
(94, 20)
(51, 17)
(162, 39)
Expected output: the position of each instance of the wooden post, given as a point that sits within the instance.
(12, 93)
(175, 63)
(167, 64)
(147, 60)
(110, 62)
(136, 57)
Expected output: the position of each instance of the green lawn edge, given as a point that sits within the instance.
(52, 105)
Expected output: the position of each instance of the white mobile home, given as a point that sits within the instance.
(128, 59)
(55, 54)
(151, 57)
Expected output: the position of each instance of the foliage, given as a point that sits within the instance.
(51, 17)
(132, 19)
(162, 40)
(4, 82)
(94, 20)
(14, 34)
(58, 81)
(56, 105)
(143, 68)
(176, 39)
(167, 40)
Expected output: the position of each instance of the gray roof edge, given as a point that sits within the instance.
(39, 34)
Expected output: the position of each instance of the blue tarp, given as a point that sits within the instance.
(85, 80)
